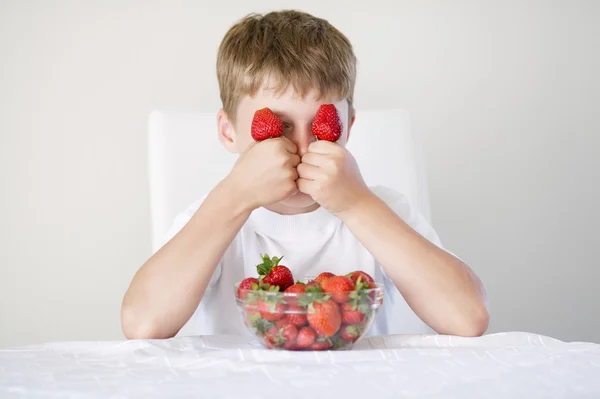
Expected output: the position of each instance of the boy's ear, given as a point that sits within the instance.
(351, 122)
(226, 131)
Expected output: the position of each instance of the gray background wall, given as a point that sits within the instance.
(505, 95)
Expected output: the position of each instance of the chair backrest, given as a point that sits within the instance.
(186, 160)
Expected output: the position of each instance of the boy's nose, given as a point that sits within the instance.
(302, 137)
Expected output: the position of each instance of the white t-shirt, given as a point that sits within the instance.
(311, 243)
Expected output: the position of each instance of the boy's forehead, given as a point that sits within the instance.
(273, 88)
(290, 93)
(289, 99)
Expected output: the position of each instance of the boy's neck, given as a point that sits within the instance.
(287, 210)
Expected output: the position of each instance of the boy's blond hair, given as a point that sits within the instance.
(287, 47)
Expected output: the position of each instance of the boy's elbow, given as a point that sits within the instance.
(136, 327)
(477, 324)
(477, 320)
(469, 324)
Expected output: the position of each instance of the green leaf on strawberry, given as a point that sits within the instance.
(364, 308)
(267, 264)
(313, 289)
(274, 274)
(313, 294)
(262, 325)
(337, 342)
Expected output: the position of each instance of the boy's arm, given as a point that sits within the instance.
(166, 291)
(168, 288)
(440, 289)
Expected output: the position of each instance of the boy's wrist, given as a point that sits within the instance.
(231, 192)
(357, 209)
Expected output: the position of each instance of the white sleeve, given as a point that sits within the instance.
(178, 223)
(415, 219)
(400, 205)
(401, 319)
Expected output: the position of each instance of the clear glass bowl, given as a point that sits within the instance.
(311, 320)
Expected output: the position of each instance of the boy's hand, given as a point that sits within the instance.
(265, 173)
(330, 175)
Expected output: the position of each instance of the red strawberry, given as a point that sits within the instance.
(281, 322)
(251, 316)
(306, 337)
(290, 346)
(279, 276)
(265, 125)
(275, 274)
(373, 294)
(324, 276)
(296, 315)
(351, 314)
(295, 289)
(320, 345)
(298, 320)
(313, 285)
(271, 311)
(272, 337)
(338, 342)
(324, 317)
(364, 276)
(268, 342)
(289, 332)
(350, 333)
(339, 287)
(327, 124)
(247, 284)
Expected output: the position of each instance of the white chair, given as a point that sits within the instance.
(186, 160)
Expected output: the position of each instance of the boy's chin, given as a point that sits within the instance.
(299, 201)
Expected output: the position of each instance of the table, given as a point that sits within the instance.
(506, 365)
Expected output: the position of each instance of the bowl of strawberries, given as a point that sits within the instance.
(327, 312)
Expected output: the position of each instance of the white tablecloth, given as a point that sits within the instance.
(511, 365)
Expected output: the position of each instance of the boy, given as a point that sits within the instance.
(298, 197)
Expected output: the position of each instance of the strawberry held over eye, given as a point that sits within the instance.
(265, 125)
(327, 124)
(274, 274)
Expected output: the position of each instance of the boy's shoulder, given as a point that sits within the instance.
(395, 200)
(410, 213)
(389, 195)
(181, 219)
